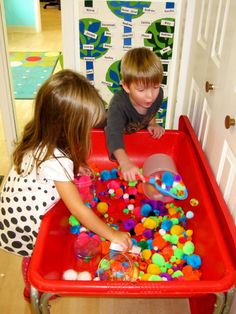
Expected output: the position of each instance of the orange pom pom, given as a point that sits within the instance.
(139, 228)
(105, 245)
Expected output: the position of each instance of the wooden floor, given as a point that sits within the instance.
(12, 301)
(11, 282)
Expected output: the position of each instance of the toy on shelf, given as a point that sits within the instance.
(163, 182)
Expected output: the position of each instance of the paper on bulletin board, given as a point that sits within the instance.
(107, 29)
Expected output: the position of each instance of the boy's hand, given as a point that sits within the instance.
(131, 172)
(155, 130)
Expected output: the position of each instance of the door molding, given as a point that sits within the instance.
(6, 90)
(185, 62)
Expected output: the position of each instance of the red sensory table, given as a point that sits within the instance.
(213, 226)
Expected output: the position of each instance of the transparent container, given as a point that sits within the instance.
(116, 267)
(155, 166)
(88, 253)
(86, 186)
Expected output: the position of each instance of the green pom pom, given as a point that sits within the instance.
(177, 273)
(188, 248)
(73, 221)
(155, 278)
(178, 253)
(143, 245)
(158, 259)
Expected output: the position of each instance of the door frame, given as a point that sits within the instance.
(6, 90)
(181, 107)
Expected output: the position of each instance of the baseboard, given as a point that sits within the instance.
(21, 29)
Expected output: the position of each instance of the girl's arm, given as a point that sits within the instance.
(85, 215)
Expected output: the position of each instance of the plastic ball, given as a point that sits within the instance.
(84, 275)
(70, 274)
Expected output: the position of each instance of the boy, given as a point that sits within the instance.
(135, 106)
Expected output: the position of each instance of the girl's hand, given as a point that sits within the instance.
(155, 130)
(85, 171)
(122, 238)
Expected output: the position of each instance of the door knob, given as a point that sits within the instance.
(209, 86)
(229, 122)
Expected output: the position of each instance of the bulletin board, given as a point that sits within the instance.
(107, 29)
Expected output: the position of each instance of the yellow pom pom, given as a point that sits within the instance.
(146, 254)
(189, 232)
(145, 277)
(102, 207)
(170, 271)
(153, 269)
(172, 210)
(176, 229)
(150, 223)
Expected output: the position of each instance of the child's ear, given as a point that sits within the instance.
(125, 86)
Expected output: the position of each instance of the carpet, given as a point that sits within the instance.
(30, 70)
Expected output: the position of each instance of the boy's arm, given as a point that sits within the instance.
(114, 129)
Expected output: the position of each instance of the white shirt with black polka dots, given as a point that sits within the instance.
(25, 198)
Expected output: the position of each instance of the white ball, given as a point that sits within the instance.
(162, 231)
(84, 275)
(70, 274)
(189, 214)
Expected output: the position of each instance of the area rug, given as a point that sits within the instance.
(30, 70)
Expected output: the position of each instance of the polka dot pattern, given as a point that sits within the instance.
(25, 199)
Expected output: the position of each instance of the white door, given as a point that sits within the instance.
(211, 52)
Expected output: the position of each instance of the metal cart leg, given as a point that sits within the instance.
(44, 302)
(34, 299)
(229, 300)
(39, 305)
(220, 302)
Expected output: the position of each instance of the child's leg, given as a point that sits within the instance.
(25, 267)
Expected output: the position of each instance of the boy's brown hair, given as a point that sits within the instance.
(141, 65)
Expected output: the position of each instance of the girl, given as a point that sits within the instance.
(55, 146)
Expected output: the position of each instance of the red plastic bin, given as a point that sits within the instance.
(214, 230)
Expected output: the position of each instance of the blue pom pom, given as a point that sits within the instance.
(75, 229)
(145, 210)
(194, 260)
(166, 224)
(105, 175)
(167, 178)
(149, 243)
(134, 241)
(114, 173)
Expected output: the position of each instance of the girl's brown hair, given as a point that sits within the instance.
(67, 107)
(141, 65)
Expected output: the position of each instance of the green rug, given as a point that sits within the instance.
(30, 70)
